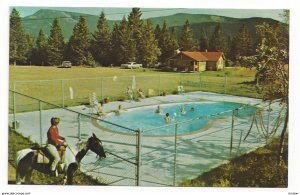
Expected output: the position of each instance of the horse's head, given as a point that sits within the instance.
(95, 144)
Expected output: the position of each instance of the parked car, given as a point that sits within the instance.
(131, 65)
(65, 64)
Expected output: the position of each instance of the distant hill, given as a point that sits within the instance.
(43, 19)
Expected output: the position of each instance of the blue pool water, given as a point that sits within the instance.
(146, 118)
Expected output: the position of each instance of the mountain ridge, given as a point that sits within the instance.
(43, 18)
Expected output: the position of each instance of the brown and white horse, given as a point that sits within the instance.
(26, 161)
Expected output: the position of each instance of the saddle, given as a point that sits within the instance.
(43, 156)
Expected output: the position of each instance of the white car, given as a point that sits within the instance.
(131, 65)
(65, 64)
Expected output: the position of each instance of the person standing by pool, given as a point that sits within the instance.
(119, 110)
(129, 93)
(168, 118)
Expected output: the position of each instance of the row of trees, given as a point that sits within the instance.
(132, 39)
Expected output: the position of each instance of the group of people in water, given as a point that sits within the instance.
(140, 94)
(168, 117)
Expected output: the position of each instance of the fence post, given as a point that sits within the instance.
(175, 154)
(200, 85)
(15, 107)
(62, 93)
(158, 85)
(268, 124)
(225, 83)
(231, 135)
(78, 121)
(238, 148)
(101, 89)
(40, 115)
(138, 157)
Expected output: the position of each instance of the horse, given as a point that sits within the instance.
(27, 161)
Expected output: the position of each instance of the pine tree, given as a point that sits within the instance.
(187, 42)
(242, 43)
(204, 41)
(123, 48)
(18, 43)
(135, 25)
(149, 50)
(55, 44)
(167, 43)
(79, 44)
(218, 41)
(101, 42)
(39, 53)
(157, 32)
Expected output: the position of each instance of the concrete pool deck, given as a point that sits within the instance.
(196, 153)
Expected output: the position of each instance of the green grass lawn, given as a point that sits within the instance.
(53, 84)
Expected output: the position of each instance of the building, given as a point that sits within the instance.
(197, 61)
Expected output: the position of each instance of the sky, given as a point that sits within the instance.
(118, 13)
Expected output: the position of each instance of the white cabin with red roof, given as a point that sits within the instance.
(197, 61)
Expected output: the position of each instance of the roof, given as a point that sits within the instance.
(202, 56)
(212, 56)
(195, 55)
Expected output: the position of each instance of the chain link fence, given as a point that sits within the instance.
(179, 157)
(71, 92)
(135, 157)
(77, 127)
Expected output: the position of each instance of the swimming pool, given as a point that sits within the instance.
(197, 117)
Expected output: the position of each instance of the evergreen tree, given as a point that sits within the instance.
(204, 41)
(242, 43)
(218, 41)
(149, 50)
(135, 25)
(79, 44)
(157, 32)
(29, 48)
(39, 53)
(187, 42)
(173, 40)
(18, 42)
(101, 42)
(123, 48)
(55, 44)
(167, 43)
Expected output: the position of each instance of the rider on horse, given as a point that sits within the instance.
(56, 144)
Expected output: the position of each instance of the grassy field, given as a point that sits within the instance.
(54, 84)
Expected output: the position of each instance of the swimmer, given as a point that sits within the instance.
(182, 110)
(158, 110)
(167, 118)
(192, 109)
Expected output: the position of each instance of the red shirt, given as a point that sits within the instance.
(54, 137)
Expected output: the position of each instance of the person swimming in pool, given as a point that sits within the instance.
(158, 110)
(182, 110)
(167, 118)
